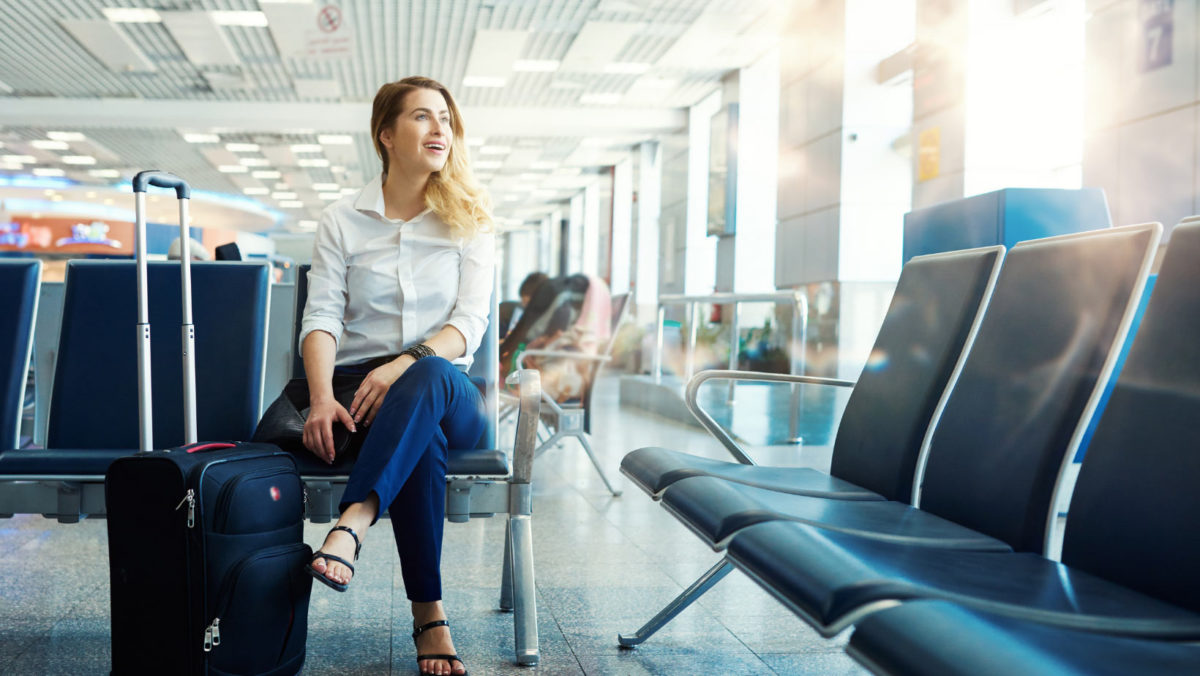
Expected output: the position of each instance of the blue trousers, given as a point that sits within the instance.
(430, 409)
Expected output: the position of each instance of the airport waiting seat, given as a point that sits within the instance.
(480, 482)
(1129, 553)
(20, 280)
(994, 456)
(574, 419)
(938, 638)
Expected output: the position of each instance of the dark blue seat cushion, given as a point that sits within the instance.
(481, 462)
(59, 461)
(935, 638)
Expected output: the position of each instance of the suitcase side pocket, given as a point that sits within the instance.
(259, 624)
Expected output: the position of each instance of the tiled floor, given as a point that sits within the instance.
(604, 565)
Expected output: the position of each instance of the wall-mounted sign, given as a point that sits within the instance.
(1158, 32)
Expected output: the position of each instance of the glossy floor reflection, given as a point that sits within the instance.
(604, 565)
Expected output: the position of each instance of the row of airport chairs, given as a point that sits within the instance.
(935, 534)
(93, 404)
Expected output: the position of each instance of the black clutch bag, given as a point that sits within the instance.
(283, 422)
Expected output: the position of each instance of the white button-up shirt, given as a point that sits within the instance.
(379, 285)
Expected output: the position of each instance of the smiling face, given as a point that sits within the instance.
(419, 140)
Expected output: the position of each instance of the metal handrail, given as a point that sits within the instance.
(797, 355)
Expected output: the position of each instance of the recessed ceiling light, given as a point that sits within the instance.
(48, 171)
(47, 144)
(241, 147)
(239, 18)
(320, 162)
(78, 159)
(104, 173)
(201, 138)
(535, 65)
(255, 162)
(291, 204)
(255, 191)
(306, 148)
(335, 139)
(325, 187)
(349, 191)
(68, 136)
(265, 174)
(483, 81)
(283, 195)
(232, 169)
(18, 159)
(306, 225)
(131, 15)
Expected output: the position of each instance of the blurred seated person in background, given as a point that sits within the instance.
(195, 249)
(510, 311)
(564, 314)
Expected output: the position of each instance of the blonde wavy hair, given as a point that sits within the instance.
(452, 193)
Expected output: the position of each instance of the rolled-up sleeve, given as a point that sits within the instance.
(325, 309)
(477, 275)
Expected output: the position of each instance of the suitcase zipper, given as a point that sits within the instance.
(212, 635)
(190, 499)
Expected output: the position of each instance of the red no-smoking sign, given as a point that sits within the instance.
(329, 19)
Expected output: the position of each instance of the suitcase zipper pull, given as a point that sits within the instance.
(212, 635)
(190, 499)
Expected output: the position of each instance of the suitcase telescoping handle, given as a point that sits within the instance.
(183, 192)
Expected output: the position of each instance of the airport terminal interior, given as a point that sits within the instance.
(825, 336)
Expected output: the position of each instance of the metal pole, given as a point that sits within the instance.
(733, 347)
(658, 343)
(796, 366)
(145, 408)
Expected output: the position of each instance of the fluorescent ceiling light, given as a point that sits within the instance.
(321, 162)
(306, 225)
(600, 99)
(18, 159)
(68, 136)
(78, 159)
(255, 191)
(104, 173)
(329, 195)
(254, 162)
(626, 67)
(131, 15)
(283, 195)
(203, 42)
(483, 81)
(291, 204)
(325, 187)
(48, 171)
(535, 66)
(265, 174)
(306, 148)
(46, 144)
(335, 139)
(236, 18)
(241, 147)
(488, 164)
(110, 45)
(232, 169)
(349, 191)
(494, 150)
(201, 138)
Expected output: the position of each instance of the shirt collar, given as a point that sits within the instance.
(370, 201)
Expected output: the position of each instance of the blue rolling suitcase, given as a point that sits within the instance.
(205, 544)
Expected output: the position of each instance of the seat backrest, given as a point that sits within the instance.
(485, 364)
(95, 403)
(1034, 375)
(19, 281)
(1133, 514)
(937, 302)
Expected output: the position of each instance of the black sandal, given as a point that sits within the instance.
(330, 557)
(449, 658)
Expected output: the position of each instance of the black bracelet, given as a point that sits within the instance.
(419, 351)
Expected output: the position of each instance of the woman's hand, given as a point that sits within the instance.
(318, 429)
(374, 388)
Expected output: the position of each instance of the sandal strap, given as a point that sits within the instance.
(440, 657)
(331, 557)
(417, 631)
(357, 544)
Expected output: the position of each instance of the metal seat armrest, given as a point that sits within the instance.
(559, 354)
(691, 400)
(529, 387)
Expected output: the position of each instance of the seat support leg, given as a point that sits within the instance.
(525, 629)
(587, 447)
(695, 591)
(506, 581)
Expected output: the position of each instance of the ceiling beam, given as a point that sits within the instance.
(285, 117)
